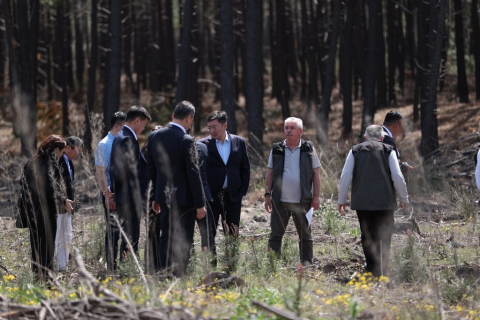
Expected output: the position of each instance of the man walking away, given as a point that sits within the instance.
(177, 186)
(293, 170)
(102, 171)
(392, 127)
(373, 170)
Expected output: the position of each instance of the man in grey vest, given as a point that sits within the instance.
(293, 168)
(373, 169)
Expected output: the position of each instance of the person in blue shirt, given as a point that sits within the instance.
(102, 166)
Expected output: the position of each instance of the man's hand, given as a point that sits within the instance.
(409, 167)
(68, 206)
(315, 204)
(268, 204)
(402, 206)
(341, 209)
(156, 207)
(201, 212)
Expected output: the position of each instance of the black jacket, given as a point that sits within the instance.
(173, 168)
(389, 140)
(237, 168)
(203, 163)
(128, 170)
(69, 181)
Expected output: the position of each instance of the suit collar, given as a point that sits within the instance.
(176, 125)
(131, 130)
(387, 131)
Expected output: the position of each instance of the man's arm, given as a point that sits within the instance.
(100, 173)
(345, 180)
(398, 179)
(245, 168)
(316, 189)
(268, 189)
(193, 174)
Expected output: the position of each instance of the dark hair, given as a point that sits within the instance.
(392, 117)
(118, 117)
(183, 110)
(49, 144)
(74, 142)
(138, 112)
(221, 116)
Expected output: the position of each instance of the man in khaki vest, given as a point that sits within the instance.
(293, 168)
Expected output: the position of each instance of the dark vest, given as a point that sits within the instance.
(372, 185)
(306, 171)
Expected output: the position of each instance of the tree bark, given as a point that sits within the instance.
(227, 94)
(381, 69)
(410, 35)
(169, 45)
(476, 46)
(112, 86)
(429, 141)
(347, 61)
(462, 85)
(92, 70)
(185, 50)
(309, 51)
(392, 25)
(62, 62)
(370, 65)
(79, 56)
(254, 77)
(324, 109)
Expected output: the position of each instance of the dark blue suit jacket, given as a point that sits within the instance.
(128, 169)
(237, 168)
(203, 163)
(173, 167)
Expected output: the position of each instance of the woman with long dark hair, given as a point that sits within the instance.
(45, 194)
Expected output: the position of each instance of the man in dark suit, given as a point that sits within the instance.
(228, 174)
(129, 176)
(178, 191)
(204, 224)
(63, 237)
(392, 127)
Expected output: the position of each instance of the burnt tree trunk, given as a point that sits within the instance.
(476, 46)
(169, 45)
(114, 67)
(392, 40)
(429, 141)
(347, 61)
(324, 110)
(370, 76)
(462, 85)
(309, 51)
(381, 69)
(62, 62)
(184, 60)
(227, 95)
(410, 35)
(254, 76)
(79, 57)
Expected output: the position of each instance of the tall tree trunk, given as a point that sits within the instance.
(253, 76)
(410, 35)
(422, 28)
(154, 47)
(185, 50)
(370, 65)
(347, 61)
(429, 141)
(63, 70)
(34, 30)
(462, 85)
(112, 86)
(392, 25)
(68, 44)
(127, 46)
(401, 51)
(301, 52)
(226, 65)
(359, 45)
(476, 45)
(79, 56)
(169, 45)
(324, 109)
(92, 70)
(308, 49)
(282, 60)
(381, 69)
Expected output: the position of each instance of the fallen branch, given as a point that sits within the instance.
(285, 314)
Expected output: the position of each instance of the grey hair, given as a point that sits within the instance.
(373, 133)
(298, 121)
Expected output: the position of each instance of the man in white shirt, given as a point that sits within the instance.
(373, 170)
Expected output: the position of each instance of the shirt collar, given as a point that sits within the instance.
(299, 144)
(388, 131)
(134, 134)
(66, 158)
(110, 135)
(176, 124)
(227, 139)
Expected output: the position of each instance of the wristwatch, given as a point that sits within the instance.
(267, 194)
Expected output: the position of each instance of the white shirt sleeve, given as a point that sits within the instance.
(397, 177)
(477, 171)
(346, 178)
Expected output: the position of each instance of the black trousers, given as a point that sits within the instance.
(43, 229)
(152, 246)
(280, 216)
(223, 207)
(112, 235)
(177, 225)
(205, 226)
(377, 229)
(130, 222)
